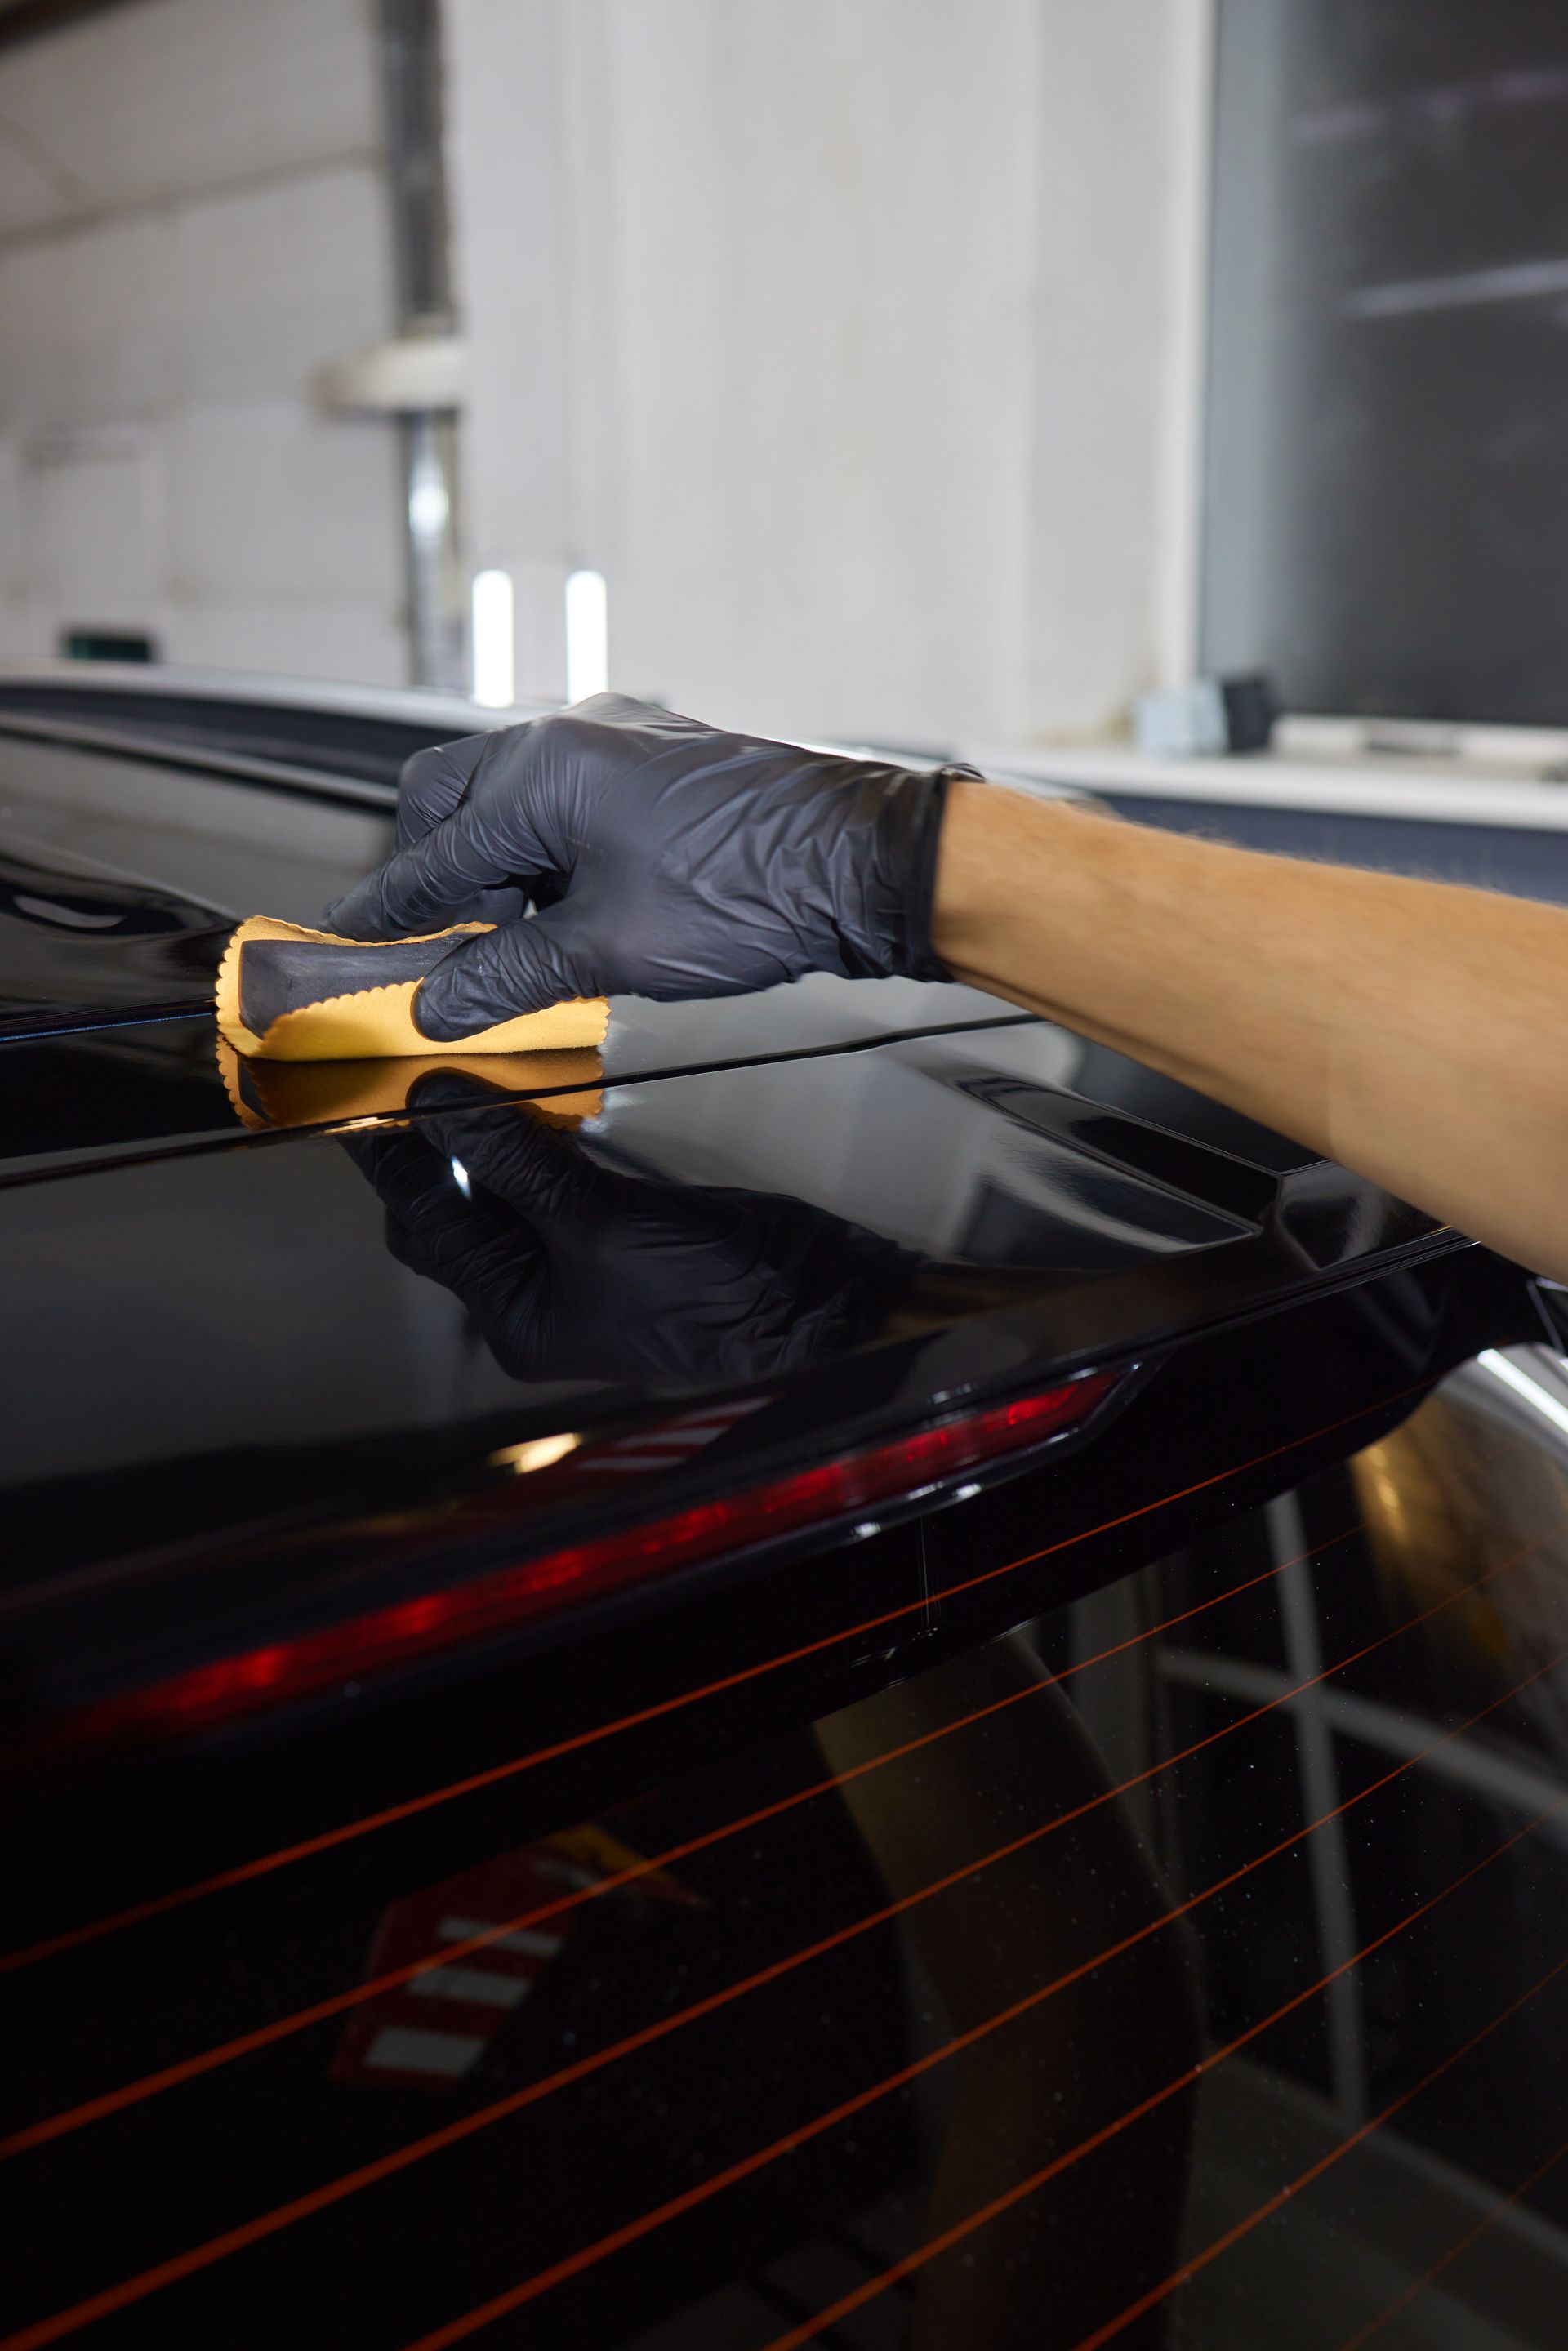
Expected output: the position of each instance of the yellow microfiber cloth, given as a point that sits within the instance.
(271, 1094)
(307, 995)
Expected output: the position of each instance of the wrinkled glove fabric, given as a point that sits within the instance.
(664, 859)
(287, 994)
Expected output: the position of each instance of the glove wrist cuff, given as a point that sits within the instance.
(921, 960)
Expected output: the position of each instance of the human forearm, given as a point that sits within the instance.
(1413, 1029)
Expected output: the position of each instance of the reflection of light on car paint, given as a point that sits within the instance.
(586, 635)
(537, 1454)
(1539, 1398)
(430, 2030)
(460, 1177)
(667, 1444)
(492, 638)
(71, 918)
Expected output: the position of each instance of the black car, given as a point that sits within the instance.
(857, 1672)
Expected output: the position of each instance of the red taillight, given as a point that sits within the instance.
(233, 1688)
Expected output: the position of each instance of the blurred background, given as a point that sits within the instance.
(889, 369)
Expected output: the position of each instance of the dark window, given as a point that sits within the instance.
(1387, 522)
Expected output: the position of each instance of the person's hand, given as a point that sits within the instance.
(663, 859)
(573, 1271)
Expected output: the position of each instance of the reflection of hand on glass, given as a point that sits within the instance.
(573, 1271)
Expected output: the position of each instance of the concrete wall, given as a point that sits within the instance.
(852, 339)
(193, 219)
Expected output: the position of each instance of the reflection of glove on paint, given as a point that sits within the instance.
(291, 995)
(573, 1271)
(667, 859)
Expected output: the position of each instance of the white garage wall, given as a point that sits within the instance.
(193, 220)
(852, 339)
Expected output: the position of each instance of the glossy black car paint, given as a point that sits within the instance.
(192, 1392)
(81, 949)
(244, 1407)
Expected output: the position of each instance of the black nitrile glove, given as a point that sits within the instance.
(575, 1271)
(666, 858)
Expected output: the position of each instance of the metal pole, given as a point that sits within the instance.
(412, 86)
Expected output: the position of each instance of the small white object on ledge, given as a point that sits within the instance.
(1183, 722)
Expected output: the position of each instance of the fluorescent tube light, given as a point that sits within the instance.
(586, 635)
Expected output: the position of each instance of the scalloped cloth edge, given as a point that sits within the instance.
(377, 1023)
(267, 1096)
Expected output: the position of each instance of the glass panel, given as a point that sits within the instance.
(1189, 1965)
(1388, 472)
